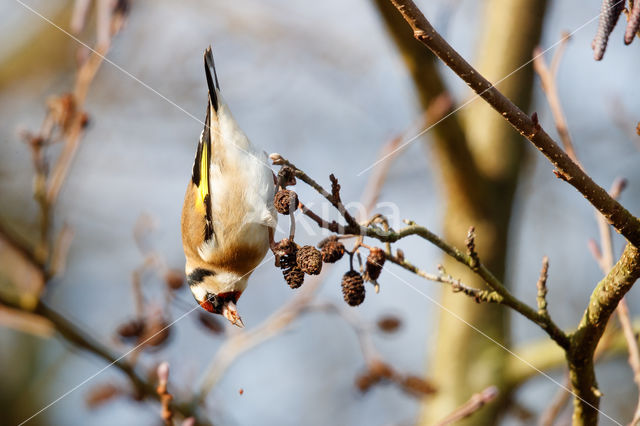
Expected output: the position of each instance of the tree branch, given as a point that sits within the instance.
(604, 256)
(602, 304)
(390, 236)
(547, 77)
(618, 216)
(476, 402)
(456, 285)
(70, 333)
(545, 355)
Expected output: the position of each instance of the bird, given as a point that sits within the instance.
(228, 218)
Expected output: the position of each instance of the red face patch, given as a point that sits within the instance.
(207, 306)
(214, 302)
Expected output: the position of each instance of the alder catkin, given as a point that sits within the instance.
(609, 14)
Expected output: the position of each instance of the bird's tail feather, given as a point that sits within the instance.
(212, 81)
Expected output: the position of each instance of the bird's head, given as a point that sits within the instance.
(217, 292)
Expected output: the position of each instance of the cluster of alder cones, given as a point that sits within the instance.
(296, 261)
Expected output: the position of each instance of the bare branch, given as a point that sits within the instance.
(70, 333)
(605, 256)
(634, 352)
(606, 262)
(390, 236)
(60, 251)
(557, 57)
(548, 80)
(476, 402)
(618, 216)
(558, 403)
(277, 159)
(602, 304)
(26, 322)
(164, 395)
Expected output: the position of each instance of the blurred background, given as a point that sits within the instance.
(323, 84)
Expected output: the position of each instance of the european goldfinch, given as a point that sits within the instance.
(228, 218)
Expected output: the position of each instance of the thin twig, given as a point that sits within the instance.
(476, 402)
(60, 251)
(241, 342)
(557, 56)
(336, 202)
(369, 352)
(542, 287)
(164, 395)
(558, 403)
(456, 285)
(436, 110)
(547, 78)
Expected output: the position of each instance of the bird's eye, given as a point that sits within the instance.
(209, 303)
(215, 303)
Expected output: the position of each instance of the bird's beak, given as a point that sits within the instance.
(229, 311)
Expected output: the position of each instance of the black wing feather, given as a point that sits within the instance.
(196, 174)
(208, 66)
(204, 145)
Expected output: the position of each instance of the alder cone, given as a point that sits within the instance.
(332, 250)
(389, 324)
(285, 200)
(293, 276)
(286, 176)
(374, 264)
(132, 328)
(353, 288)
(309, 260)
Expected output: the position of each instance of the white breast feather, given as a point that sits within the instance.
(259, 188)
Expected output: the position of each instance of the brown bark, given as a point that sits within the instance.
(602, 304)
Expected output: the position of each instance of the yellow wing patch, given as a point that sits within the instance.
(203, 187)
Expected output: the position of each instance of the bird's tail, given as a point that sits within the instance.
(212, 80)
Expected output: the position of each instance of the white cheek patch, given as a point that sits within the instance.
(198, 292)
